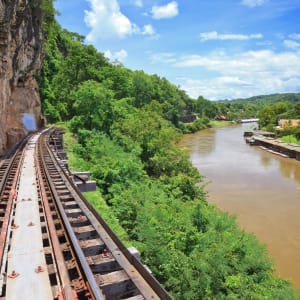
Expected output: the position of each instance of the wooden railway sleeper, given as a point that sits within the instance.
(120, 282)
(88, 233)
(65, 249)
(65, 284)
(65, 220)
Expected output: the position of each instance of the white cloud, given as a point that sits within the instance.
(148, 30)
(223, 87)
(295, 36)
(138, 3)
(169, 10)
(107, 21)
(240, 75)
(213, 35)
(265, 43)
(258, 62)
(166, 57)
(116, 56)
(291, 44)
(254, 3)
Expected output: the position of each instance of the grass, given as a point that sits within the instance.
(215, 123)
(290, 139)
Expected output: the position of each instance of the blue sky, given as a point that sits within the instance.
(220, 49)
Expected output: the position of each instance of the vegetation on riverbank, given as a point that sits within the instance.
(195, 250)
(124, 126)
(270, 110)
(215, 123)
(290, 139)
(76, 163)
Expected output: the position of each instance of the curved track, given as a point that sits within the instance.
(81, 256)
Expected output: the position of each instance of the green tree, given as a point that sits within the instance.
(297, 132)
(297, 109)
(267, 117)
(142, 89)
(92, 107)
(205, 107)
(118, 79)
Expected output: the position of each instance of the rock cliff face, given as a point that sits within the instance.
(20, 59)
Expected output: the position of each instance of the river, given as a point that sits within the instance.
(260, 188)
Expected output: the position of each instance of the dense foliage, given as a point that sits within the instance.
(253, 107)
(127, 124)
(268, 109)
(68, 66)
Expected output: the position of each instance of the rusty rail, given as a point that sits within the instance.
(84, 257)
(66, 289)
(8, 193)
(146, 278)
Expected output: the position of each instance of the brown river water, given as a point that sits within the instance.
(260, 188)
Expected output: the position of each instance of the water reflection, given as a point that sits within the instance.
(207, 143)
(204, 143)
(260, 188)
(289, 170)
(266, 161)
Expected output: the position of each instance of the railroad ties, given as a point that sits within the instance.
(53, 244)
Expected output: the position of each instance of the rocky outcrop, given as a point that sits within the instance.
(20, 59)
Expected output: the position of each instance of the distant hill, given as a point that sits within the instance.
(269, 99)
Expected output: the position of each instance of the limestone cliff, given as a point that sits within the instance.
(20, 59)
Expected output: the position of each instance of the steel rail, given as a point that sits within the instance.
(65, 284)
(78, 251)
(147, 276)
(17, 158)
(5, 172)
(10, 157)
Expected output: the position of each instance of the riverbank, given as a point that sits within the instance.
(290, 139)
(215, 123)
(261, 189)
(277, 146)
(178, 234)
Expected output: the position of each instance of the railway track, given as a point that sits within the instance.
(81, 256)
(10, 165)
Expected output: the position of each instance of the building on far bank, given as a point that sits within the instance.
(288, 123)
(220, 118)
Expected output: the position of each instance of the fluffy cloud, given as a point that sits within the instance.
(260, 62)
(116, 56)
(240, 75)
(107, 21)
(213, 35)
(169, 10)
(138, 3)
(295, 36)
(148, 30)
(166, 57)
(291, 44)
(223, 87)
(254, 3)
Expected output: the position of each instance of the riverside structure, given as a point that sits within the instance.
(288, 149)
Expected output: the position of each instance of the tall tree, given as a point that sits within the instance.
(92, 107)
